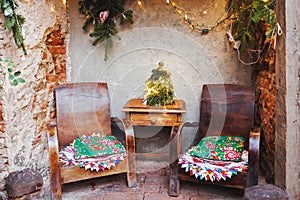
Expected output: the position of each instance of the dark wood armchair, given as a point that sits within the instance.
(225, 109)
(83, 108)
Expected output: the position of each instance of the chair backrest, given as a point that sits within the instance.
(226, 109)
(81, 108)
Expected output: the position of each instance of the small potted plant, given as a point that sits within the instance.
(159, 88)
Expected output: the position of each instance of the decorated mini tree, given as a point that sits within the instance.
(159, 87)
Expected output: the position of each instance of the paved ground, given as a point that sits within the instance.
(152, 185)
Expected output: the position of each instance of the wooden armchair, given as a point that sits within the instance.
(83, 108)
(224, 110)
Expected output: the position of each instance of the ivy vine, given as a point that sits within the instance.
(102, 16)
(13, 21)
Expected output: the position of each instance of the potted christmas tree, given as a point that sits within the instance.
(159, 88)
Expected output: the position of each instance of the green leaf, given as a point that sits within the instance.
(97, 40)
(15, 82)
(127, 16)
(11, 77)
(9, 70)
(21, 19)
(108, 45)
(9, 23)
(20, 80)
(87, 23)
(8, 12)
(5, 5)
(18, 73)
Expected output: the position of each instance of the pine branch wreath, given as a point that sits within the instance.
(103, 15)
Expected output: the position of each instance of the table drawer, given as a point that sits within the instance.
(153, 119)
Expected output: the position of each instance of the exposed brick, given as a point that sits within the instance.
(52, 114)
(51, 88)
(45, 56)
(44, 104)
(55, 41)
(2, 126)
(56, 33)
(57, 50)
(51, 78)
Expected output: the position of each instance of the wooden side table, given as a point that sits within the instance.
(144, 115)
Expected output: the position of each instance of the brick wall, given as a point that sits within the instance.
(266, 91)
(52, 72)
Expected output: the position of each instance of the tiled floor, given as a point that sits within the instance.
(152, 185)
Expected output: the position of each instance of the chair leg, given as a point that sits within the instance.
(55, 190)
(174, 181)
(55, 185)
(131, 170)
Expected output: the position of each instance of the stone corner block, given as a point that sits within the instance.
(20, 183)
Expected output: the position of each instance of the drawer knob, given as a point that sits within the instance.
(153, 121)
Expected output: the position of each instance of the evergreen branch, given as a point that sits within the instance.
(13, 22)
(105, 27)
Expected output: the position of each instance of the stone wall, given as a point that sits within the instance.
(266, 100)
(27, 108)
(3, 135)
(3, 153)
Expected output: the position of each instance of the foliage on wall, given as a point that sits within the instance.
(254, 24)
(13, 21)
(102, 16)
(13, 76)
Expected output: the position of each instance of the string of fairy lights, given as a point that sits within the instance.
(190, 17)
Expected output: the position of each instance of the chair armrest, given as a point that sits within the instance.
(129, 133)
(253, 162)
(130, 149)
(176, 138)
(54, 161)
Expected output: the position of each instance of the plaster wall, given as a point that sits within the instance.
(158, 34)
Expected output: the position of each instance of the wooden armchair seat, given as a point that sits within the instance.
(226, 110)
(83, 108)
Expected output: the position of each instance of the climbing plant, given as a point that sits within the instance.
(102, 16)
(13, 21)
(7, 67)
(254, 23)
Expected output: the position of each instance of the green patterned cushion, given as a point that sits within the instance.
(228, 148)
(88, 146)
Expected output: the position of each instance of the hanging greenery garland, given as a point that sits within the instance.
(253, 22)
(103, 15)
(13, 21)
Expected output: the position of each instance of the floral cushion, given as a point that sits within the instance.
(92, 146)
(212, 170)
(93, 152)
(226, 148)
